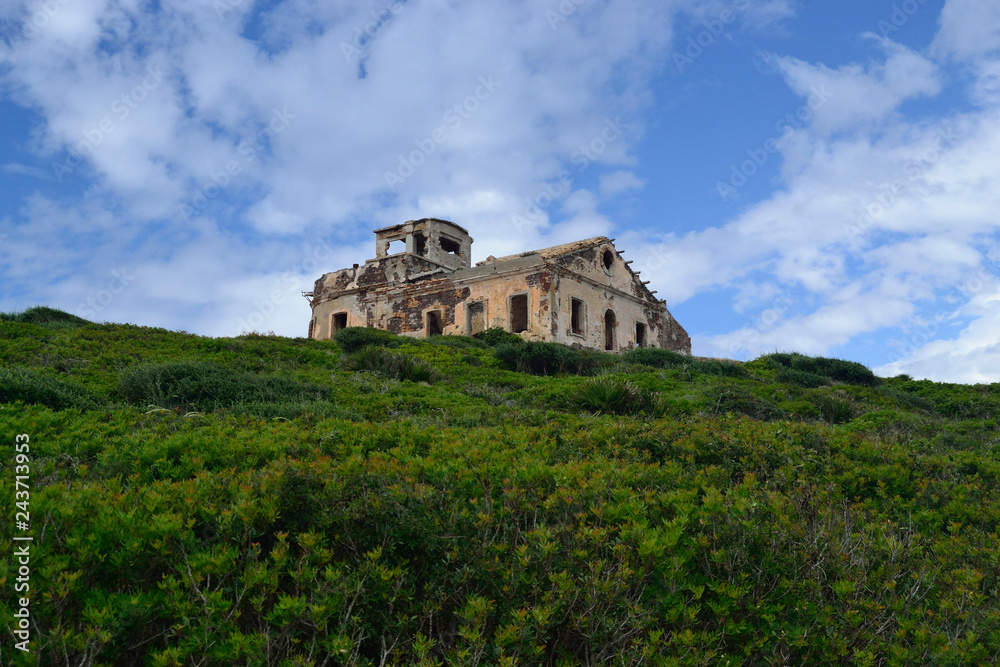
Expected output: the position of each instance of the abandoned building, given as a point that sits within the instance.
(422, 283)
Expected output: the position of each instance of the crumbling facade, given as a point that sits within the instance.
(422, 283)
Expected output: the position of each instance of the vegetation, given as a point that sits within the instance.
(352, 339)
(187, 386)
(394, 366)
(269, 501)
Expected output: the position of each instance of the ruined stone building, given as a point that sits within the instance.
(422, 283)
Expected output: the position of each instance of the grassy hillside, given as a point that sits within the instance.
(385, 501)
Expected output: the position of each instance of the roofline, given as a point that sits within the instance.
(410, 222)
(582, 244)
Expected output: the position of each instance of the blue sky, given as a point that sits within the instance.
(820, 177)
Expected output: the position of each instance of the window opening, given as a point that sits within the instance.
(640, 334)
(519, 313)
(576, 316)
(434, 323)
(477, 317)
(608, 259)
(609, 331)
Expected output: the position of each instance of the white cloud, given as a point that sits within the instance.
(986, 90)
(855, 96)
(969, 28)
(973, 356)
(25, 170)
(620, 181)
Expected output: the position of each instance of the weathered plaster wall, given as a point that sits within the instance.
(597, 301)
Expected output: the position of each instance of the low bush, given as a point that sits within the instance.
(890, 425)
(801, 378)
(724, 369)
(352, 339)
(203, 387)
(835, 409)
(656, 358)
(907, 400)
(540, 358)
(460, 342)
(391, 365)
(740, 400)
(28, 386)
(667, 359)
(495, 336)
(838, 370)
(606, 394)
(50, 318)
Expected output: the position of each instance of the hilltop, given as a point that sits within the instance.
(386, 500)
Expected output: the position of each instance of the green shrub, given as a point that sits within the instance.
(43, 316)
(740, 400)
(835, 409)
(391, 365)
(838, 370)
(800, 408)
(495, 336)
(908, 400)
(352, 339)
(535, 358)
(28, 386)
(656, 358)
(718, 368)
(800, 378)
(538, 358)
(459, 342)
(888, 424)
(203, 387)
(492, 394)
(606, 394)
